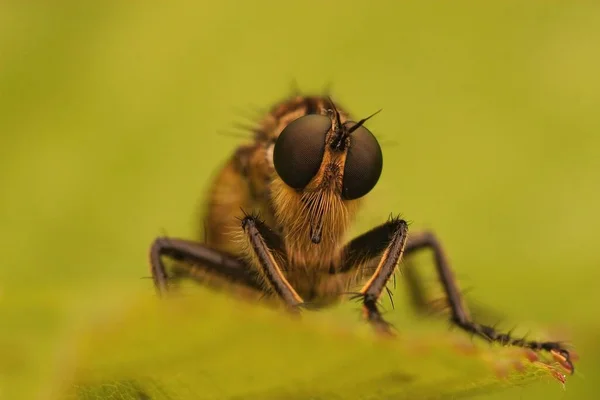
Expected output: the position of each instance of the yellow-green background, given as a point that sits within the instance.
(108, 121)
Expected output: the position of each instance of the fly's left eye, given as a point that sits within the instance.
(364, 163)
(299, 149)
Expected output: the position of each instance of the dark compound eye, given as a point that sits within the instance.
(364, 163)
(299, 149)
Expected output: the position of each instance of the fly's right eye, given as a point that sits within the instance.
(299, 149)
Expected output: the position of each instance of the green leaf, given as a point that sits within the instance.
(206, 345)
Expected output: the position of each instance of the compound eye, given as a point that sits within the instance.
(299, 149)
(364, 163)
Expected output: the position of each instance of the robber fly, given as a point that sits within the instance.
(281, 206)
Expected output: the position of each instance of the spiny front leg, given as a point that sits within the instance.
(460, 315)
(388, 240)
(262, 257)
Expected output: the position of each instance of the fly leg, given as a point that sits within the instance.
(259, 239)
(459, 313)
(200, 257)
(386, 241)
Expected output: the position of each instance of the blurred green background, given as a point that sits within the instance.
(108, 121)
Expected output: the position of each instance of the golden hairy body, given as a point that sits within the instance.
(278, 212)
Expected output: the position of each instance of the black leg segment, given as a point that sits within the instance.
(386, 241)
(201, 257)
(460, 315)
(263, 259)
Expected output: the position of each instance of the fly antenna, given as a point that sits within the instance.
(362, 121)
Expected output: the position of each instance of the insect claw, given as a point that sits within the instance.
(385, 328)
